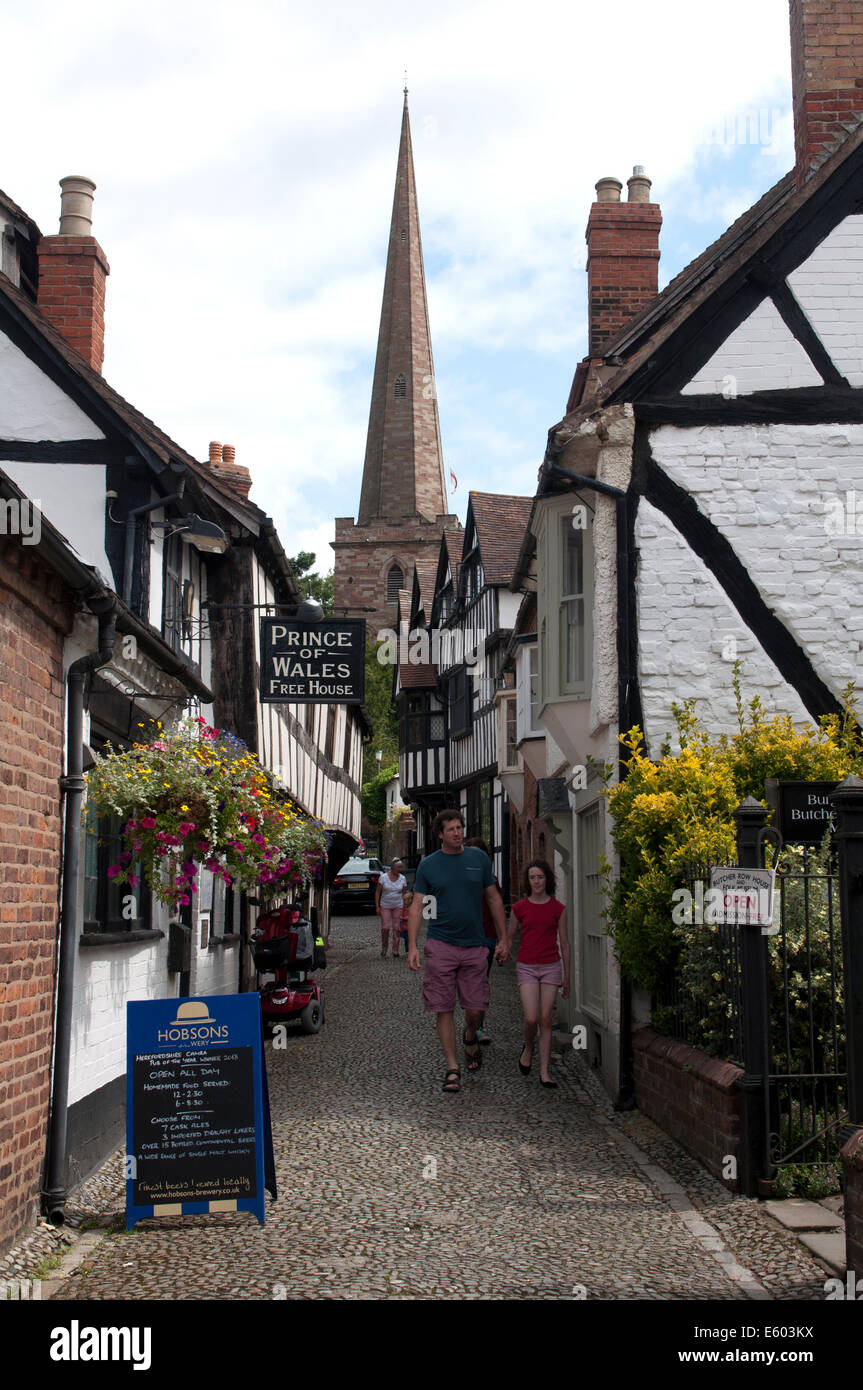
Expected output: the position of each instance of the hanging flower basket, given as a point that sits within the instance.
(195, 796)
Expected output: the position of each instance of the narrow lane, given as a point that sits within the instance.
(390, 1188)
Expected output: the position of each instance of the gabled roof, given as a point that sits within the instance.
(94, 389)
(763, 229)
(499, 521)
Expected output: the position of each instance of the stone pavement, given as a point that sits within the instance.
(389, 1188)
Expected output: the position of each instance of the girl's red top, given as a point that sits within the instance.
(538, 922)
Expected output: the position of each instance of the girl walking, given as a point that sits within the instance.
(542, 965)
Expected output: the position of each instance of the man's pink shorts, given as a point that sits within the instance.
(455, 970)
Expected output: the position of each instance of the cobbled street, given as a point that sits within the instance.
(389, 1188)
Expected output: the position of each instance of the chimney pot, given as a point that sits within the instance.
(72, 273)
(608, 190)
(215, 451)
(76, 205)
(639, 186)
(228, 453)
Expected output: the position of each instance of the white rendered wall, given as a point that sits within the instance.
(829, 288)
(779, 494)
(689, 636)
(32, 407)
(72, 497)
(761, 355)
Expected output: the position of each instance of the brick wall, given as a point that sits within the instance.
(72, 273)
(826, 74)
(35, 615)
(363, 556)
(852, 1160)
(693, 1097)
(622, 265)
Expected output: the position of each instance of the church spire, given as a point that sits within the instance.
(403, 471)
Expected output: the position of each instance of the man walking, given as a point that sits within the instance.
(456, 879)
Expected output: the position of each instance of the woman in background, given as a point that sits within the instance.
(542, 965)
(389, 899)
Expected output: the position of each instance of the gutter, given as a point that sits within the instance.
(54, 1189)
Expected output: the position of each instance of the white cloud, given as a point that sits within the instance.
(245, 159)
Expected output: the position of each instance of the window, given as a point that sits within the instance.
(109, 906)
(510, 734)
(400, 388)
(460, 704)
(395, 581)
(479, 812)
(572, 608)
(565, 565)
(533, 724)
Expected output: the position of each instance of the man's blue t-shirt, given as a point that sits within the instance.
(457, 882)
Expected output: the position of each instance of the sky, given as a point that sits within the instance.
(245, 159)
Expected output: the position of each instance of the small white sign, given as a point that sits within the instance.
(746, 896)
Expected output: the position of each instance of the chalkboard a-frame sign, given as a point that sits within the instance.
(198, 1136)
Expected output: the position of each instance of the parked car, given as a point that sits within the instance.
(354, 885)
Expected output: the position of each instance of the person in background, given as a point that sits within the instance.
(542, 969)
(408, 899)
(389, 900)
(488, 928)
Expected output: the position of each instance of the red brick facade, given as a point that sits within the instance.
(693, 1097)
(528, 838)
(35, 614)
(826, 75)
(622, 265)
(402, 512)
(72, 273)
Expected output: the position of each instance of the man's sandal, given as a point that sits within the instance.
(452, 1085)
(472, 1052)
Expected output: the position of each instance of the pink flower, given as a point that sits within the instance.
(186, 827)
(184, 900)
(259, 839)
(148, 823)
(114, 870)
(202, 845)
(134, 880)
(130, 826)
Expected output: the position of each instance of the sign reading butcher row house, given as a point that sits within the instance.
(802, 809)
(310, 663)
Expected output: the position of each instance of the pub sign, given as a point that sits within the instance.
(313, 663)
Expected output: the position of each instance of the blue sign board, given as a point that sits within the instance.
(198, 1136)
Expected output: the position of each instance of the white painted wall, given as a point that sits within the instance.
(761, 355)
(32, 407)
(829, 288)
(778, 493)
(72, 497)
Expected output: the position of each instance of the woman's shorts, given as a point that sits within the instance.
(550, 974)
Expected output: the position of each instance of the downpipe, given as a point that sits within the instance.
(54, 1189)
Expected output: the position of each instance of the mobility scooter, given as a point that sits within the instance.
(286, 946)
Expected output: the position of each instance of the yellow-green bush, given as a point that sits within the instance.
(679, 811)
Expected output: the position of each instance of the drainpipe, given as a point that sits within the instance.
(54, 1193)
(131, 525)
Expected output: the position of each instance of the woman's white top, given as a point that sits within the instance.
(391, 891)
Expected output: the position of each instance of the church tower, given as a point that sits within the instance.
(403, 504)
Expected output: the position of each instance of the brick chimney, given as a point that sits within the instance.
(223, 467)
(826, 75)
(622, 256)
(72, 274)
